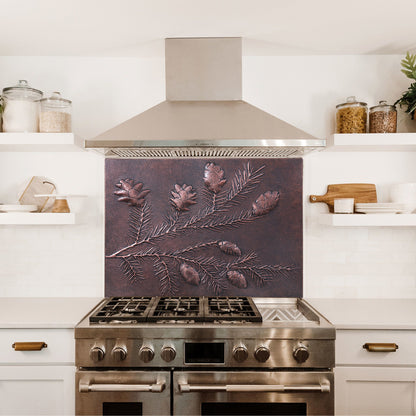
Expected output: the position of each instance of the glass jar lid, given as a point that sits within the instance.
(22, 90)
(382, 105)
(351, 100)
(55, 100)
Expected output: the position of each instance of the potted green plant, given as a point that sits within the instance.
(408, 98)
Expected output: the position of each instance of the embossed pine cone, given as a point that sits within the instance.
(265, 202)
(183, 197)
(214, 177)
(228, 247)
(190, 275)
(237, 279)
(130, 193)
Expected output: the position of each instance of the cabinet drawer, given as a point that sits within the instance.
(349, 347)
(60, 346)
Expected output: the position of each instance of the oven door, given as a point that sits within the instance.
(122, 393)
(253, 393)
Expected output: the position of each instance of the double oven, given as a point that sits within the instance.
(228, 356)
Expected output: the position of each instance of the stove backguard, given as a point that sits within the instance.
(199, 227)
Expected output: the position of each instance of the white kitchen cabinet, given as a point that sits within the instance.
(37, 382)
(375, 383)
(37, 390)
(375, 391)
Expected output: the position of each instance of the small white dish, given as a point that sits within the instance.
(343, 205)
(18, 208)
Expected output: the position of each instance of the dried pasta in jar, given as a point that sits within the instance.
(351, 117)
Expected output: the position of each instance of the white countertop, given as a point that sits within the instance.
(343, 313)
(44, 312)
(368, 313)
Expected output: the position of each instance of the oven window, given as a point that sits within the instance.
(244, 409)
(125, 408)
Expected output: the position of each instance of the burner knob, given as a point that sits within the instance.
(97, 353)
(301, 353)
(146, 353)
(240, 353)
(119, 353)
(262, 353)
(168, 353)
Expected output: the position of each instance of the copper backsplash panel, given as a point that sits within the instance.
(203, 227)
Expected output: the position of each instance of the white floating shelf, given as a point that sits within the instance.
(368, 220)
(36, 218)
(372, 142)
(40, 142)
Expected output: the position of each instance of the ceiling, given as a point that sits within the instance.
(268, 27)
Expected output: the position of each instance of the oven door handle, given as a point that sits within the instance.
(254, 388)
(153, 388)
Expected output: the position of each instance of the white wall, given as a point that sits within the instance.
(68, 260)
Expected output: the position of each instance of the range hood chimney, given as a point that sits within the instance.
(204, 114)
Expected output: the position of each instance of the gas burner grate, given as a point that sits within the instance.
(178, 308)
(236, 309)
(123, 310)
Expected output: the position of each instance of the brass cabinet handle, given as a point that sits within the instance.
(380, 347)
(29, 346)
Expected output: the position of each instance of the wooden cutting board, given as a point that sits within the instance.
(38, 185)
(361, 192)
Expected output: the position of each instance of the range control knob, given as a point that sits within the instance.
(97, 353)
(300, 353)
(262, 353)
(119, 353)
(146, 353)
(240, 353)
(168, 353)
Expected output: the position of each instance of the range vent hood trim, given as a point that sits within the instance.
(200, 121)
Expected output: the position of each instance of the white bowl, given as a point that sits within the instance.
(403, 192)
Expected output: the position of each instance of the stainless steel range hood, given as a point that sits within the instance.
(204, 114)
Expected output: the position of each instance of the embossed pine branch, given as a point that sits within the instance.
(201, 263)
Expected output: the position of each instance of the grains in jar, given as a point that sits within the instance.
(55, 114)
(351, 117)
(383, 118)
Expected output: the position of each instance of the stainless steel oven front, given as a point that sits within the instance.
(123, 392)
(253, 393)
(272, 367)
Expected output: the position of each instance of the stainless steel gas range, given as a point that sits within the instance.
(204, 356)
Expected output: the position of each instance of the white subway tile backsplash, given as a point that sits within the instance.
(338, 262)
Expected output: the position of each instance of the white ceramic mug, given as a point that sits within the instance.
(404, 193)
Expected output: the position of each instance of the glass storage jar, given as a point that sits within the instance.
(351, 117)
(383, 118)
(55, 114)
(21, 108)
